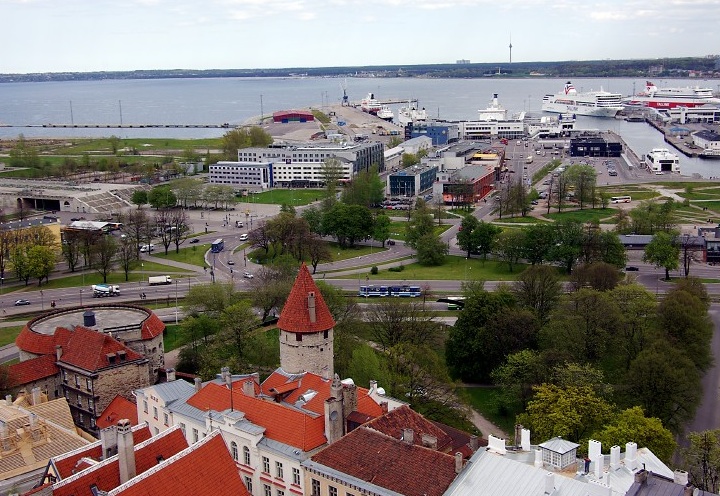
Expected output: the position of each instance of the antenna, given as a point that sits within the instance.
(510, 46)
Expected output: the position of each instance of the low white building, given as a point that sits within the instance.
(709, 141)
(253, 176)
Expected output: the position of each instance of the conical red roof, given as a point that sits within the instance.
(295, 315)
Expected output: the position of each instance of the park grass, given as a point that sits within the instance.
(679, 185)
(191, 254)
(90, 145)
(398, 228)
(9, 334)
(292, 197)
(520, 220)
(454, 269)
(337, 252)
(601, 215)
(489, 402)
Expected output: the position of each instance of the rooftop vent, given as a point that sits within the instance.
(89, 319)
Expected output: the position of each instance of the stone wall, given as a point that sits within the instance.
(313, 354)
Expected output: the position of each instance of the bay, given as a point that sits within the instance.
(215, 101)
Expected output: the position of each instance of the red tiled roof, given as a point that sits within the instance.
(118, 409)
(393, 423)
(32, 370)
(65, 464)
(206, 468)
(282, 423)
(88, 350)
(152, 327)
(295, 316)
(106, 476)
(389, 463)
(278, 382)
(34, 342)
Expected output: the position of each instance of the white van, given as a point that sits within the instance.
(147, 248)
(243, 237)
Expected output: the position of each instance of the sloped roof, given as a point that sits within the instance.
(118, 409)
(152, 326)
(295, 316)
(205, 468)
(106, 474)
(56, 411)
(32, 370)
(559, 445)
(393, 423)
(407, 469)
(89, 350)
(66, 463)
(35, 342)
(281, 422)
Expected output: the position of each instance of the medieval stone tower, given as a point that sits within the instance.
(306, 330)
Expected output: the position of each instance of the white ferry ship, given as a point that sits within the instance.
(385, 113)
(411, 113)
(370, 105)
(593, 103)
(661, 160)
(670, 98)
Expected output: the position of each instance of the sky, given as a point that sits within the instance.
(118, 35)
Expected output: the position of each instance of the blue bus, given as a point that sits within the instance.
(217, 246)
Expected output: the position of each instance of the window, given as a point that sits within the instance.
(296, 476)
(166, 419)
(267, 490)
(145, 406)
(91, 404)
(266, 464)
(278, 470)
(246, 455)
(195, 435)
(77, 380)
(182, 428)
(234, 450)
(315, 488)
(280, 492)
(155, 413)
(88, 384)
(81, 419)
(332, 491)
(248, 484)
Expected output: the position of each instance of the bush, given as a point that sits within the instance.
(374, 270)
(400, 268)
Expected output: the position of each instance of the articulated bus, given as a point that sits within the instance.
(217, 246)
(382, 291)
(620, 199)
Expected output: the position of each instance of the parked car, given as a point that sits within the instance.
(231, 262)
(19, 303)
(247, 275)
(391, 242)
(194, 240)
(631, 268)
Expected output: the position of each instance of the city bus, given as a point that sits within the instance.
(620, 199)
(458, 302)
(217, 246)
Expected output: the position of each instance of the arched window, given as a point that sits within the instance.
(234, 450)
(246, 455)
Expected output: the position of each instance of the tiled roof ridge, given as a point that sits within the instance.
(50, 422)
(93, 444)
(295, 316)
(153, 470)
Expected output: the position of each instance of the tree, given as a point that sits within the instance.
(178, 222)
(244, 137)
(313, 216)
(209, 299)
(484, 236)
(431, 250)
(599, 275)
(41, 262)
(538, 241)
(465, 239)
(317, 250)
(568, 242)
(702, 460)
(421, 223)
(509, 246)
(21, 266)
(69, 249)
(519, 374)
(331, 172)
(365, 365)
(395, 321)
(162, 197)
(571, 413)
(103, 255)
(381, 228)
(348, 223)
(538, 288)
(139, 197)
(663, 251)
(633, 425)
(127, 256)
(229, 346)
(270, 287)
(636, 307)
(136, 226)
(583, 177)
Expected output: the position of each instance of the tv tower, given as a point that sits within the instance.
(510, 48)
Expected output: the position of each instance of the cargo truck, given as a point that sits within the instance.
(102, 290)
(157, 280)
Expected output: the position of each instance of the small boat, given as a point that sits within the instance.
(385, 113)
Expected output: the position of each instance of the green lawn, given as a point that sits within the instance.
(521, 220)
(336, 252)
(455, 269)
(8, 334)
(586, 215)
(191, 254)
(488, 402)
(294, 197)
(398, 227)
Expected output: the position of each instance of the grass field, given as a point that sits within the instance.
(293, 197)
(8, 334)
(602, 215)
(520, 220)
(398, 227)
(488, 402)
(457, 269)
(190, 254)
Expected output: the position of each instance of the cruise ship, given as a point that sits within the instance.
(592, 103)
(661, 160)
(411, 113)
(669, 98)
(370, 105)
(493, 112)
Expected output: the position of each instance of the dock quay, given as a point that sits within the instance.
(123, 126)
(676, 141)
(391, 101)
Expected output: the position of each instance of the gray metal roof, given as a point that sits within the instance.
(284, 449)
(559, 445)
(249, 427)
(172, 391)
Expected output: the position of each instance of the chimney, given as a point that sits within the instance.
(680, 477)
(599, 467)
(126, 451)
(224, 373)
(109, 441)
(474, 443)
(525, 440)
(198, 384)
(408, 436)
(594, 449)
(430, 441)
(35, 392)
(8, 399)
(538, 458)
(641, 476)
(373, 386)
(458, 462)
(496, 445)
(170, 375)
(614, 458)
(311, 306)
(631, 456)
(58, 352)
(350, 399)
(518, 429)
(248, 388)
(384, 406)
(334, 423)
(549, 483)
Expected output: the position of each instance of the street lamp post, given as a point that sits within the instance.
(42, 300)
(176, 301)
(81, 292)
